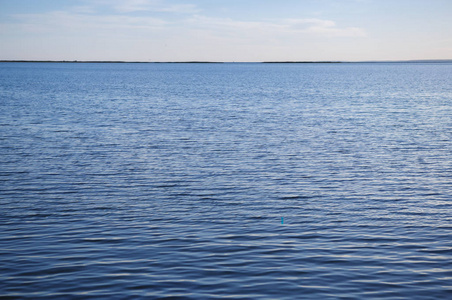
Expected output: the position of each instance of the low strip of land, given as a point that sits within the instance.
(220, 62)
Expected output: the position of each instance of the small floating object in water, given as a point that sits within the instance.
(282, 220)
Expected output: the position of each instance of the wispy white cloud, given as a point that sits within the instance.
(298, 27)
(326, 28)
(82, 18)
(129, 6)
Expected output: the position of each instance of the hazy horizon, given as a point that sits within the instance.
(225, 31)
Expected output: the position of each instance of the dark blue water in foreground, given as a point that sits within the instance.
(171, 180)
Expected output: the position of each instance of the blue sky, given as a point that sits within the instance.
(225, 30)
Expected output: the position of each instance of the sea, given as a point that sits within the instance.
(225, 180)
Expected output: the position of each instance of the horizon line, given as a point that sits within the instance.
(221, 62)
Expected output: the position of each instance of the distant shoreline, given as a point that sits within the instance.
(112, 62)
(219, 62)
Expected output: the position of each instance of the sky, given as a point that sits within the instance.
(225, 30)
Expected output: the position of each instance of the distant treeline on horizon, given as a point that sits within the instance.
(221, 62)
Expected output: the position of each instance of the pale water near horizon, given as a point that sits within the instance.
(193, 181)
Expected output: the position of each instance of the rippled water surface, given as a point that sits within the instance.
(270, 181)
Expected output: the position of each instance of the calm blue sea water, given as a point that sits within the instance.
(192, 181)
